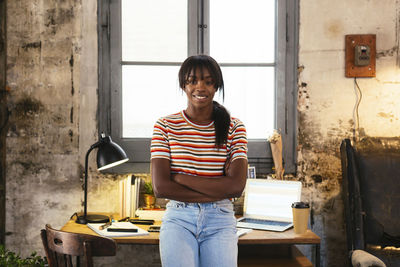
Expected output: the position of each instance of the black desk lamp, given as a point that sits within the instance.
(109, 154)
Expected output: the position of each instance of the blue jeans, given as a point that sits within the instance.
(199, 234)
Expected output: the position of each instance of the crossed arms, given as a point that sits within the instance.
(190, 188)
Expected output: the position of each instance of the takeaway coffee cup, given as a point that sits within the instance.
(300, 211)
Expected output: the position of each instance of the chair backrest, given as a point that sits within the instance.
(379, 172)
(61, 247)
(371, 185)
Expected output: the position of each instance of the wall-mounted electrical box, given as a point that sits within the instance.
(360, 55)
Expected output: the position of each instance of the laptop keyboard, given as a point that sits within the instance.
(265, 222)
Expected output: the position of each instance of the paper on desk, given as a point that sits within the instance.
(95, 227)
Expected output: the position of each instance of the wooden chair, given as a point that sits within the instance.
(61, 246)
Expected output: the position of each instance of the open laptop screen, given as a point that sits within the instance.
(271, 199)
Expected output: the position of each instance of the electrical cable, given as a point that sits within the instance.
(357, 117)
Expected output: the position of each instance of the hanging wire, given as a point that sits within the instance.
(355, 112)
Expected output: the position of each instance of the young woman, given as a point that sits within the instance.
(199, 162)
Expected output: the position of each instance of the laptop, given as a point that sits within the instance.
(267, 204)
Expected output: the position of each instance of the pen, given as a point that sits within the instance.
(123, 219)
(104, 226)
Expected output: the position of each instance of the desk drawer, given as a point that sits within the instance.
(272, 256)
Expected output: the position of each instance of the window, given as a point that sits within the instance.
(143, 43)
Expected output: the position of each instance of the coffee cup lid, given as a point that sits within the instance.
(300, 205)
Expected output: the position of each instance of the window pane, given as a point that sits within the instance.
(154, 30)
(249, 96)
(148, 92)
(242, 31)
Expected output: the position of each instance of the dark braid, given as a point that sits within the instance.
(222, 120)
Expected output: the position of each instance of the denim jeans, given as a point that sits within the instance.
(199, 235)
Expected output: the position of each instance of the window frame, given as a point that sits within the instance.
(138, 149)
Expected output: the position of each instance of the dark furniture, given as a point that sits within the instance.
(61, 247)
(371, 194)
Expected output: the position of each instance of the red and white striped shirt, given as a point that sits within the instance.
(191, 147)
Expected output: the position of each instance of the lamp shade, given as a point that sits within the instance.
(109, 154)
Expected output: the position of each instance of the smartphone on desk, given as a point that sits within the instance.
(154, 228)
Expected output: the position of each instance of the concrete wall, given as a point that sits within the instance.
(43, 166)
(326, 101)
(52, 76)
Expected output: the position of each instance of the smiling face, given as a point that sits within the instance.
(200, 89)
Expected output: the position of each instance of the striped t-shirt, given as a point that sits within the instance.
(191, 147)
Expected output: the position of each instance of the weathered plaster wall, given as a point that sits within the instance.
(43, 170)
(52, 76)
(326, 101)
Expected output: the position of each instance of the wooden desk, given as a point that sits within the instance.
(151, 239)
(257, 248)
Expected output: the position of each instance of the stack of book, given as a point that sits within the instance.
(129, 189)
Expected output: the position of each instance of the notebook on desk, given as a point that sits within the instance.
(267, 204)
(117, 225)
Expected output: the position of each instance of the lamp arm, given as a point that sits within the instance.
(86, 177)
